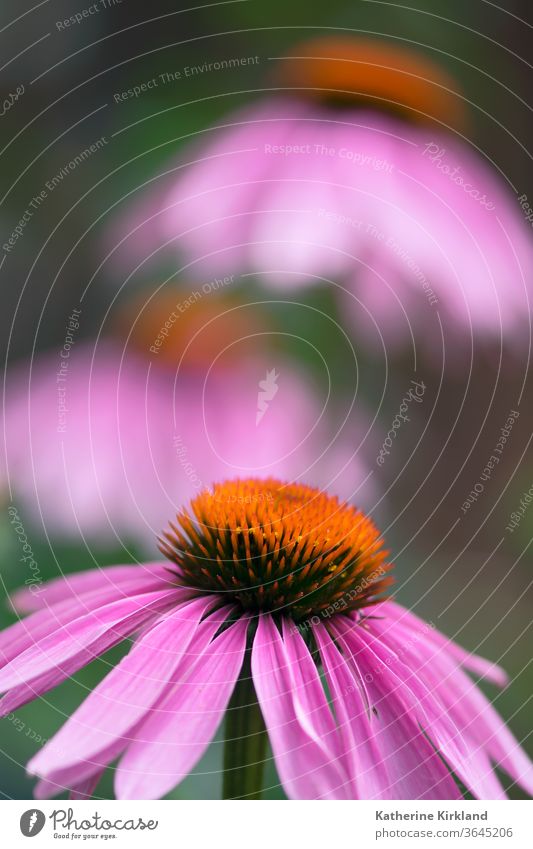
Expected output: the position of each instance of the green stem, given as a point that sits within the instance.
(246, 741)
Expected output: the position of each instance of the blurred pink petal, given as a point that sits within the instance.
(296, 191)
(139, 439)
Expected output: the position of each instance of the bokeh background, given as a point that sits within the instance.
(470, 577)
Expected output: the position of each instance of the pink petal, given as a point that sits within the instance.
(179, 729)
(85, 789)
(47, 790)
(24, 693)
(18, 637)
(212, 206)
(310, 700)
(414, 769)
(71, 775)
(475, 663)
(294, 710)
(361, 754)
(448, 737)
(120, 701)
(114, 580)
(486, 731)
(423, 661)
(84, 638)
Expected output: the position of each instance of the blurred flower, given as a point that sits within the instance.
(351, 173)
(265, 581)
(102, 443)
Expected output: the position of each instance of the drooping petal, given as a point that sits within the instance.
(489, 737)
(216, 198)
(83, 790)
(490, 731)
(18, 637)
(361, 756)
(431, 714)
(310, 702)
(180, 727)
(413, 767)
(113, 581)
(24, 693)
(475, 770)
(294, 709)
(473, 662)
(47, 790)
(120, 701)
(84, 638)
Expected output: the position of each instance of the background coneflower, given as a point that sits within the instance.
(355, 169)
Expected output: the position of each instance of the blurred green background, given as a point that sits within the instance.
(75, 74)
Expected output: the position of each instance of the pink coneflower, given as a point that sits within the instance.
(102, 443)
(353, 171)
(266, 585)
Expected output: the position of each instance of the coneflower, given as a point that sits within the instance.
(353, 166)
(145, 432)
(271, 593)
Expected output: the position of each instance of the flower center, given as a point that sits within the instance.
(280, 547)
(192, 326)
(376, 73)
